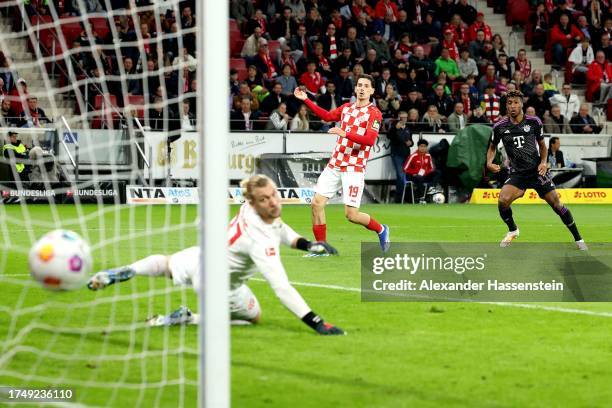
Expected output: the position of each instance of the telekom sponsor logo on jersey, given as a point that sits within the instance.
(270, 252)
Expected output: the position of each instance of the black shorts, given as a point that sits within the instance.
(541, 184)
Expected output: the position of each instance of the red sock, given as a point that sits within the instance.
(320, 232)
(373, 225)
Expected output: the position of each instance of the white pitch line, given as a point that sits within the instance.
(506, 304)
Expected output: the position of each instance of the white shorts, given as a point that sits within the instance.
(184, 266)
(352, 183)
(243, 304)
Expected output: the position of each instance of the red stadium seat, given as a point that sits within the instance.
(456, 87)
(426, 49)
(45, 35)
(237, 63)
(100, 26)
(568, 72)
(138, 102)
(273, 46)
(529, 29)
(107, 99)
(236, 45)
(109, 116)
(610, 109)
(233, 25)
(71, 30)
(242, 74)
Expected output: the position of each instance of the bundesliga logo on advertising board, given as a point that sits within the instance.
(91, 193)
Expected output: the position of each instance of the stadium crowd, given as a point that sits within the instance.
(154, 67)
(436, 62)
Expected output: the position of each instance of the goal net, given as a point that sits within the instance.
(102, 95)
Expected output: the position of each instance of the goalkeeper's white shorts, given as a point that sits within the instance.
(184, 266)
(243, 304)
(352, 183)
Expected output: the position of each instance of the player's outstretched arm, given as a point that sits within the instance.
(328, 116)
(271, 267)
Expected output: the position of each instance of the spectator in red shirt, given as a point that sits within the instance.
(419, 168)
(384, 8)
(599, 78)
(563, 36)
(479, 24)
(360, 6)
(312, 80)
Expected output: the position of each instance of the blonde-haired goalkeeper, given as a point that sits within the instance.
(254, 238)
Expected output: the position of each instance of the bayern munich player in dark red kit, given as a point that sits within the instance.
(359, 125)
(522, 137)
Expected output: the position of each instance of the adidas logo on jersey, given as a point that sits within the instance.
(507, 131)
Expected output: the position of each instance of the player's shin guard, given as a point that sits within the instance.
(506, 215)
(567, 218)
(320, 232)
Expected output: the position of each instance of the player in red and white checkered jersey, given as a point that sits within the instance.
(359, 126)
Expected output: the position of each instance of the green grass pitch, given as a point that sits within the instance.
(396, 354)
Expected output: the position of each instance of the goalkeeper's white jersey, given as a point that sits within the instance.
(253, 246)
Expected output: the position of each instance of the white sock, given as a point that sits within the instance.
(154, 265)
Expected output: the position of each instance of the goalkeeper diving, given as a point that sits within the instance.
(254, 238)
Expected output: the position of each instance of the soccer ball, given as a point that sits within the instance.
(438, 198)
(60, 260)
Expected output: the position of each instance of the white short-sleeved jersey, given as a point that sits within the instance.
(253, 246)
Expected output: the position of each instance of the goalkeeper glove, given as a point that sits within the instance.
(315, 322)
(321, 247)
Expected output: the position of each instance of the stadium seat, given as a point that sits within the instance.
(242, 74)
(548, 55)
(233, 25)
(237, 63)
(109, 117)
(45, 35)
(456, 87)
(426, 49)
(569, 76)
(609, 109)
(236, 44)
(71, 30)
(138, 102)
(100, 26)
(273, 47)
(529, 30)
